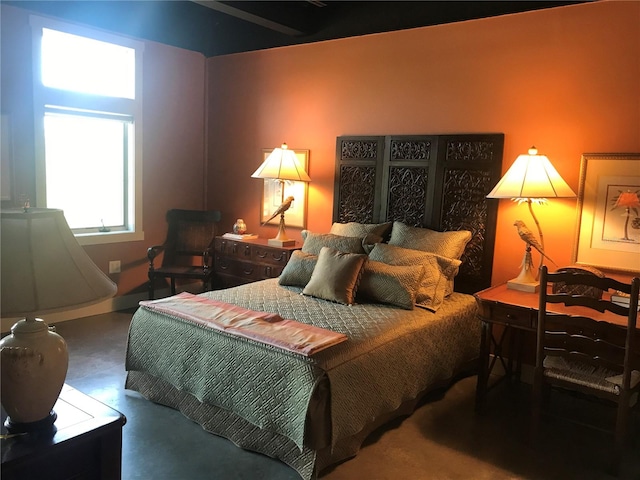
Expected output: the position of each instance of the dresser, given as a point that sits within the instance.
(243, 261)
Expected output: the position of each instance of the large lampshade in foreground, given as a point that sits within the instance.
(44, 270)
(282, 165)
(531, 179)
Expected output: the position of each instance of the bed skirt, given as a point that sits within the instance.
(308, 462)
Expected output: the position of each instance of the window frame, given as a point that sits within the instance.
(46, 97)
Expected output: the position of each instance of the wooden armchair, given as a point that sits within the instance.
(188, 248)
(578, 353)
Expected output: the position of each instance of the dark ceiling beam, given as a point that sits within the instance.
(248, 17)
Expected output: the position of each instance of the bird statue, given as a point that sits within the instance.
(280, 210)
(527, 236)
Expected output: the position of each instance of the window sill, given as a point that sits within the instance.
(108, 237)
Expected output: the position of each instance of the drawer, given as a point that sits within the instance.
(233, 248)
(245, 269)
(269, 255)
(511, 315)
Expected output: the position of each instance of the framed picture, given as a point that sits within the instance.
(272, 196)
(608, 229)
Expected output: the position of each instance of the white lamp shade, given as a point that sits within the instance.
(531, 176)
(282, 164)
(44, 269)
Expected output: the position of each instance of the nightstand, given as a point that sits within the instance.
(86, 442)
(243, 261)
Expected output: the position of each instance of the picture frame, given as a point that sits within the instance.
(608, 212)
(296, 216)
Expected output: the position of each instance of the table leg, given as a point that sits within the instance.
(483, 366)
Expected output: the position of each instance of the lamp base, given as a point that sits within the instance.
(526, 280)
(531, 287)
(281, 239)
(27, 427)
(281, 243)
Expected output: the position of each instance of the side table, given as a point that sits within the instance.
(243, 261)
(85, 443)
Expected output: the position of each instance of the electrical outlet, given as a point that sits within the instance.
(114, 266)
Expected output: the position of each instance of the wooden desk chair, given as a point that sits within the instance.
(580, 354)
(188, 248)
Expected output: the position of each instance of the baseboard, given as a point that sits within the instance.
(124, 302)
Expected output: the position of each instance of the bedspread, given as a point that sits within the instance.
(391, 355)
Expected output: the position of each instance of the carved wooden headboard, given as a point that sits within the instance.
(434, 181)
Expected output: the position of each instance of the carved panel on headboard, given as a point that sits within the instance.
(407, 195)
(465, 208)
(410, 149)
(462, 151)
(358, 149)
(357, 179)
(434, 181)
(357, 193)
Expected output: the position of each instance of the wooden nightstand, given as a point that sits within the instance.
(244, 261)
(86, 442)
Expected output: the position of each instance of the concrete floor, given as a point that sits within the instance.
(444, 439)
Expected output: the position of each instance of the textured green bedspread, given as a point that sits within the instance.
(391, 356)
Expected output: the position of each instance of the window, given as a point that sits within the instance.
(87, 101)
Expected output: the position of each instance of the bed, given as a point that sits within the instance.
(386, 290)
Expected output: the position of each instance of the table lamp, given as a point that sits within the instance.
(282, 165)
(531, 179)
(44, 270)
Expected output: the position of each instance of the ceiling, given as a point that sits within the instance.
(219, 28)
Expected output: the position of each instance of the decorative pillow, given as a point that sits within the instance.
(313, 242)
(335, 276)
(438, 271)
(355, 229)
(395, 285)
(371, 233)
(448, 244)
(298, 270)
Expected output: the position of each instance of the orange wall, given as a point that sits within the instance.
(564, 79)
(174, 166)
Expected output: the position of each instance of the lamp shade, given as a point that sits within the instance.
(531, 176)
(44, 269)
(282, 164)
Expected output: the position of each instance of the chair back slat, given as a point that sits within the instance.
(594, 351)
(587, 301)
(602, 283)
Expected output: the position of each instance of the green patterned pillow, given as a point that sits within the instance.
(390, 284)
(438, 271)
(313, 242)
(449, 244)
(336, 276)
(297, 272)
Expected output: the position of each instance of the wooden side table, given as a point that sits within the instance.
(85, 443)
(244, 261)
(517, 313)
